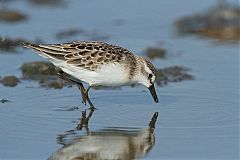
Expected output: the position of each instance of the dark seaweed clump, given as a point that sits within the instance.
(10, 81)
(10, 45)
(154, 53)
(172, 74)
(220, 22)
(52, 83)
(51, 3)
(37, 70)
(7, 15)
(43, 72)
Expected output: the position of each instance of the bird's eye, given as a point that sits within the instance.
(150, 76)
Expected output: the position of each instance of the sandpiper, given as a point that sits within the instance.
(98, 64)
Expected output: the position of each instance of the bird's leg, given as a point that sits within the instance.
(68, 78)
(86, 98)
(65, 76)
(83, 91)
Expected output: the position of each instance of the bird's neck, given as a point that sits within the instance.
(139, 69)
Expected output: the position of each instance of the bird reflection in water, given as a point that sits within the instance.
(106, 144)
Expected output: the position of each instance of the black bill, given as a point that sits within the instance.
(153, 93)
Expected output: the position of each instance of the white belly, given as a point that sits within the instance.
(108, 75)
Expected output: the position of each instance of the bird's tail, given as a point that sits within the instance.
(48, 51)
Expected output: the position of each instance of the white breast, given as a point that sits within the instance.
(112, 74)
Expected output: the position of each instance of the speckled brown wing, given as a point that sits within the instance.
(88, 55)
(92, 55)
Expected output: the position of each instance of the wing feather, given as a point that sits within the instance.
(88, 55)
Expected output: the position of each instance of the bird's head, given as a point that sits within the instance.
(147, 76)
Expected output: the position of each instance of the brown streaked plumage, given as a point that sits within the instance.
(89, 55)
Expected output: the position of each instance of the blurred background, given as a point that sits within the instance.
(194, 46)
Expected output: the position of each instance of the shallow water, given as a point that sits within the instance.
(197, 119)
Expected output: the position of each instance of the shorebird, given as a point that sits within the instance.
(98, 64)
